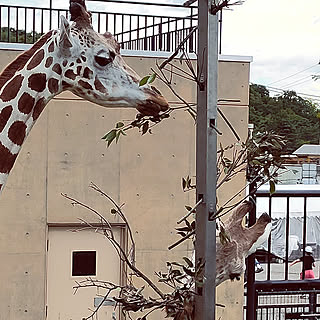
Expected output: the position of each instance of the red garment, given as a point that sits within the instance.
(308, 274)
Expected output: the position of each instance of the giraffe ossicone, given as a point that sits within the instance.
(74, 58)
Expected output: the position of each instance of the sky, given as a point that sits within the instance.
(282, 36)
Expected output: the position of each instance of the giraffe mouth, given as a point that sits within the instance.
(154, 103)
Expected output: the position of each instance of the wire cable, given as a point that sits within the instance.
(294, 74)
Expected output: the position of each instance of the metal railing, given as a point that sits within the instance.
(283, 300)
(282, 295)
(136, 31)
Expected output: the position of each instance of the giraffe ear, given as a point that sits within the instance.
(65, 38)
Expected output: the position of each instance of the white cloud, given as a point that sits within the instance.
(282, 36)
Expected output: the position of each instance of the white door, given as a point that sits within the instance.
(76, 256)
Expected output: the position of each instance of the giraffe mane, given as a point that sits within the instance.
(22, 59)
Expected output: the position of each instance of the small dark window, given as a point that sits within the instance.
(84, 263)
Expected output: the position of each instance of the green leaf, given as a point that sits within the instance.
(110, 136)
(119, 125)
(151, 78)
(144, 81)
(272, 187)
(118, 136)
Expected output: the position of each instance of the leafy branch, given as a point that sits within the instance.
(180, 278)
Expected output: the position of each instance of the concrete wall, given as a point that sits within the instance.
(64, 153)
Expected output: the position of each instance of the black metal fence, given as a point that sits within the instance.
(281, 300)
(162, 31)
(277, 295)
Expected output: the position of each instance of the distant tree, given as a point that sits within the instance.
(18, 36)
(289, 115)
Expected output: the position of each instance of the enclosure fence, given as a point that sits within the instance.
(149, 26)
(279, 296)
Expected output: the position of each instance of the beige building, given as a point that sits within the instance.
(41, 256)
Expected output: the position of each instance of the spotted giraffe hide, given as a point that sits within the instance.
(231, 255)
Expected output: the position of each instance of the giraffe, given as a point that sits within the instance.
(73, 58)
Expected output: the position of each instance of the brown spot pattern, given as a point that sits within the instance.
(70, 74)
(78, 60)
(57, 69)
(65, 85)
(11, 90)
(64, 63)
(37, 82)
(99, 86)
(7, 159)
(36, 60)
(21, 60)
(38, 108)
(79, 70)
(85, 85)
(53, 85)
(87, 73)
(4, 116)
(25, 103)
(51, 47)
(17, 132)
(49, 62)
(84, 59)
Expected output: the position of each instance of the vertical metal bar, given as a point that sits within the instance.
(58, 17)
(313, 302)
(138, 30)
(145, 26)
(269, 243)
(50, 15)
(25, 25)
(8, 25)
(304, 233)
(17, 25)
(251, 292)
(160, 35)
(130, 33)
(122, 27)
(0, 23)
(99, 21)
(287, 238)
(206, 159)
(33, 25)
(42, 13)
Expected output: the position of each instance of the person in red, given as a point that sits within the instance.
(308, 263)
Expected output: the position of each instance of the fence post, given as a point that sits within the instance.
(313, 302)
(251, 292)
(50, 15)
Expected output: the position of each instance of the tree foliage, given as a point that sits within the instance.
(18, 36)
(287, 115)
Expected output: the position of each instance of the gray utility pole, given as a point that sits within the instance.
(206, 158)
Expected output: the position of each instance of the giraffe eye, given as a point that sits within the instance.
(102, 61)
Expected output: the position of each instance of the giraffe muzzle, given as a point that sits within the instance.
(154, 103)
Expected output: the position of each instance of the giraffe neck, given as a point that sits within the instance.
(27, 85)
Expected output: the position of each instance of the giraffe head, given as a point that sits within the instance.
(95, 70)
